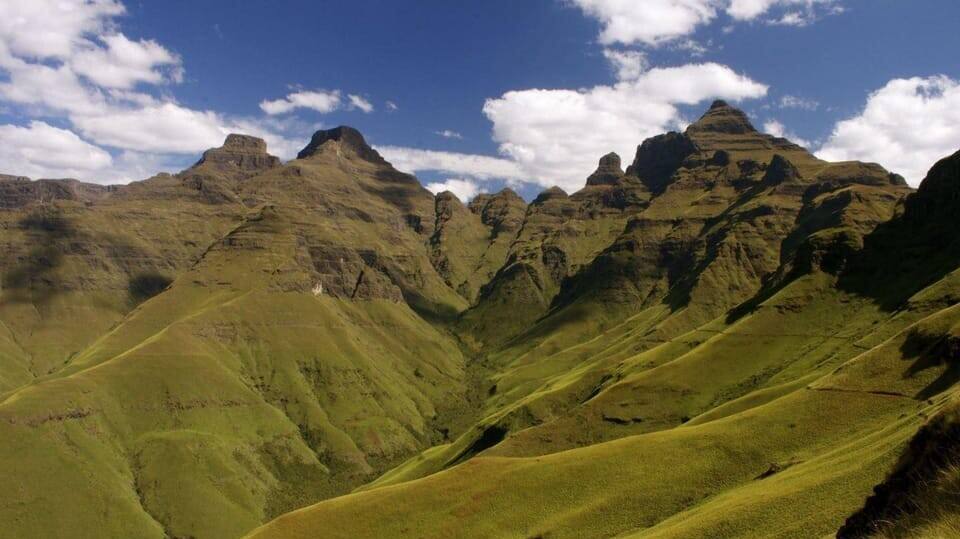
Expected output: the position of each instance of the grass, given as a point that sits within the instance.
(338, 354)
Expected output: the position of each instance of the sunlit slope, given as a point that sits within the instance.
(791, 464)
(638, 482)
(754, 305)
(287, 365)
(80, 252)
(560, 234)
(775, 418)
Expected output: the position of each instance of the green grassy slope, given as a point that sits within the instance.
(83, 252)
(767, 408)
(730, 338)
(625, 350)
(287, 365)
(793, 463)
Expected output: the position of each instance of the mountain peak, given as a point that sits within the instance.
(249, 143)
(244, 152)
(609, 171)
(346, 137)
(723, 118)
(550, 194)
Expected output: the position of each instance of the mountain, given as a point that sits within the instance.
(728, 338)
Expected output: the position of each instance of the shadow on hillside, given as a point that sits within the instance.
(930, 352)
(146, 285)
(899, 259)
(917, 248)
(31, 276)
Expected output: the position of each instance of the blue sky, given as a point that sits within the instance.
(470, 95)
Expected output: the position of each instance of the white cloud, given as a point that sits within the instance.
(391, 106)
(906, 126)
(693, 47)
(358, 102)
(651, 22)
(320, 101)
(463, 189)
(67, 59)
(794, 102)
(53, 28)
(656, 22)
(556, 136)
(476, 166)
(448, 133)
(627, 65)
(165, 128)
(41, 150)
(800, 12)
(124, 63)
(777, 129)
(49, 90)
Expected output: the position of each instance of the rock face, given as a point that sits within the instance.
(779, 171)
(345, 138)
(722, 118)
(659, 157)
(240, 154)
(609, 172)
(938, 198)
(18, 191)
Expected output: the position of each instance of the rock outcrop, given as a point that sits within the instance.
(241, 155)
(659, 157)
(343, 138)
(609, 171)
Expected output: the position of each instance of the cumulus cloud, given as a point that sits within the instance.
(124, 63)
(414, 160)
(41, 150)
(906, 126)
(465, 190)
(53, 28)
(651, 22)
(320, 101)
(655, 22)
(449, 133)
(556, 136)
(627, 65)
(165, 127)
(67, 59)
(777, 129)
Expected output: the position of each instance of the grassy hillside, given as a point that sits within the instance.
(286, 365)
(760, 389)
(729, 338)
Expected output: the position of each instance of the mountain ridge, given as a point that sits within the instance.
(312, 327)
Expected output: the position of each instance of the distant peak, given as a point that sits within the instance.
(245, 152)
(723, 118)
(507, 194)
(245, 142)
(609, 171)
(550, 194)
(347, 137)
(447, 197)
(720, 104)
